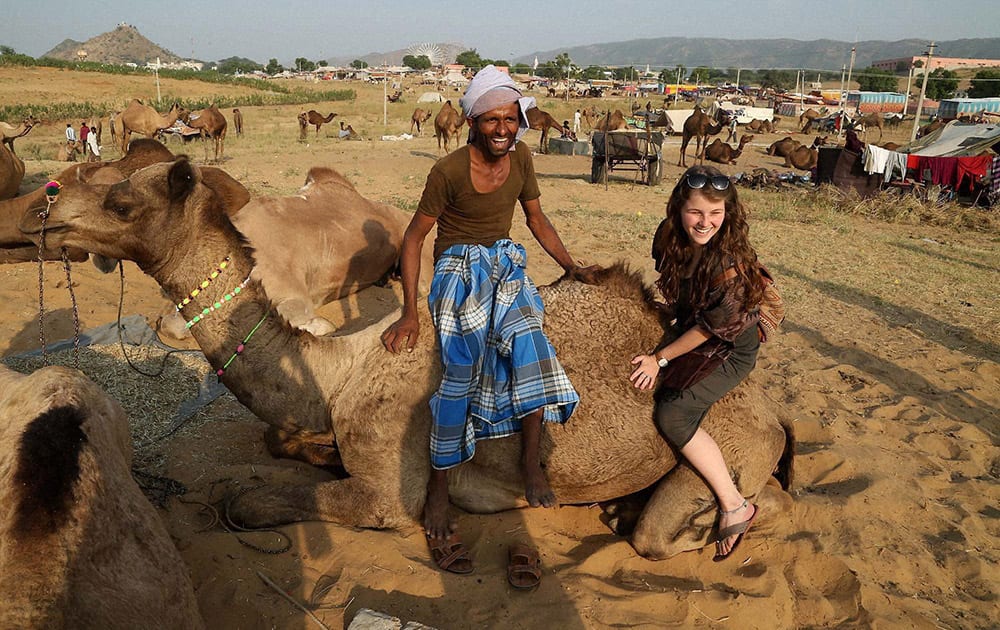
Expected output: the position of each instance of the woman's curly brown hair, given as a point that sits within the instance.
(673, 251)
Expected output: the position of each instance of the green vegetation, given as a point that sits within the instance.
(417, 62)
(942, 84)
(358, 64)
(874, 79)
(985, 84)
(12, 58)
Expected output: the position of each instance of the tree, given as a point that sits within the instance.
(304, 65)
(417, 62)
(704, 74)
(521, 68)
(236, 65)
(985, 84)
(469, 59)
(563, 65)
(7, 50)
(321, 63)
(273, 67)
(942, 84)
(357, 64)
(778, 79)
(593, 72)
(873, 79)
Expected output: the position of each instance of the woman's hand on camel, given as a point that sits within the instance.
(644, 376)
(401, 334)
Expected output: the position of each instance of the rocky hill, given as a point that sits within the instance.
(123, 45)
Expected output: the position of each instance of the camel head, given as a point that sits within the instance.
(122, 220)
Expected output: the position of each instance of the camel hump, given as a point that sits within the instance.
(325, 174)
(48, 467)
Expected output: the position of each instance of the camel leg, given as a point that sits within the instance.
(354, 502)
(681, 514)
(300, 313)
(318, 449)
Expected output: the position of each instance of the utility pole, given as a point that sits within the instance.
(677, 87)
(850, 71)
(385, 100)
(923, 91)
(840, 101)
(909, 80)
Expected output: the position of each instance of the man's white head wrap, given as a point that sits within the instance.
(491, 89)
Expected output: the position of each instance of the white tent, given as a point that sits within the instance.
(431, 97)
(957, 139)
(745, 114)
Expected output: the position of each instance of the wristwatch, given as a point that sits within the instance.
(662, 362)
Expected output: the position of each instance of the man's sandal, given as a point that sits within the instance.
(450, 554)
(739, 530)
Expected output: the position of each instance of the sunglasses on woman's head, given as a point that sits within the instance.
(696, 181)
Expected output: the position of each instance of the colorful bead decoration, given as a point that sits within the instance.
(240, 348)
(225, 299)
(204, 285)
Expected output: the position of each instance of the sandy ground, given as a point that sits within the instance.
(887, 367)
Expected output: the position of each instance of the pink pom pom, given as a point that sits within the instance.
(239, 349)
(219, 372)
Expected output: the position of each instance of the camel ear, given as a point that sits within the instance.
(181, 180)
(232, 194)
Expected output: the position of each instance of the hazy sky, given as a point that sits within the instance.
(317, 29)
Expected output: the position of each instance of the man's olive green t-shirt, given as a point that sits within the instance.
(466, 216)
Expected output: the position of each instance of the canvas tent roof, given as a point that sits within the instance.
(958, 139)
(431, 97)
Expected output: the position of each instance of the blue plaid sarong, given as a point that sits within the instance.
(498, 364)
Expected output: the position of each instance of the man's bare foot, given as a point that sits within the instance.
(436, 521)
(536, 487)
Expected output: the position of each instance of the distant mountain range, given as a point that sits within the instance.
(123, 45)
(822, 54)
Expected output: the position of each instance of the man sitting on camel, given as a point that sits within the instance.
(501, 375)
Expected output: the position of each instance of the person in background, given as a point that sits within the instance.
(70, 134)
(84, 132)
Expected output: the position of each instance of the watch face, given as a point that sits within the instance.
(662, 362)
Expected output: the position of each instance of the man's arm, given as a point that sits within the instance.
(408, 325)
(546, 235)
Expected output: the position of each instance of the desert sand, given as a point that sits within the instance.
(887, 368)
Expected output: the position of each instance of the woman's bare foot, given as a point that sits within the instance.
(727, 518)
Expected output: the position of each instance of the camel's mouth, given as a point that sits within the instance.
(31, 224)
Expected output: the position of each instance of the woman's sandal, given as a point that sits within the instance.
(739, 530)
(450, 554)
(522, 567)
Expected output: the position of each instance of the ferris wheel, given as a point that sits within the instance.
(434, 52)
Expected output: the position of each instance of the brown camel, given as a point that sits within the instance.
(447, 124)
(419, 117)
(16, 248)
(805, 158)
(808, 116)
(9, 132)
(542, 121)
(345, 401)
(11, 172)
(612, 121)
(68, 151)
(866, 122)
(210, 123)
(314, 247)
(139, 118)
(237, 121)
(80, 546)
(760, 126)
(724, 153)
(314, 118)
(700, 125)
(930, 127)
(114, 126)
(783, 147)
(891, 146)
(589, 115)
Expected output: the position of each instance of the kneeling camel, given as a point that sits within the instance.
(80, 546)
(346, 401)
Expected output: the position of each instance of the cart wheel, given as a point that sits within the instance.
(598, 172)
(654, 173)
